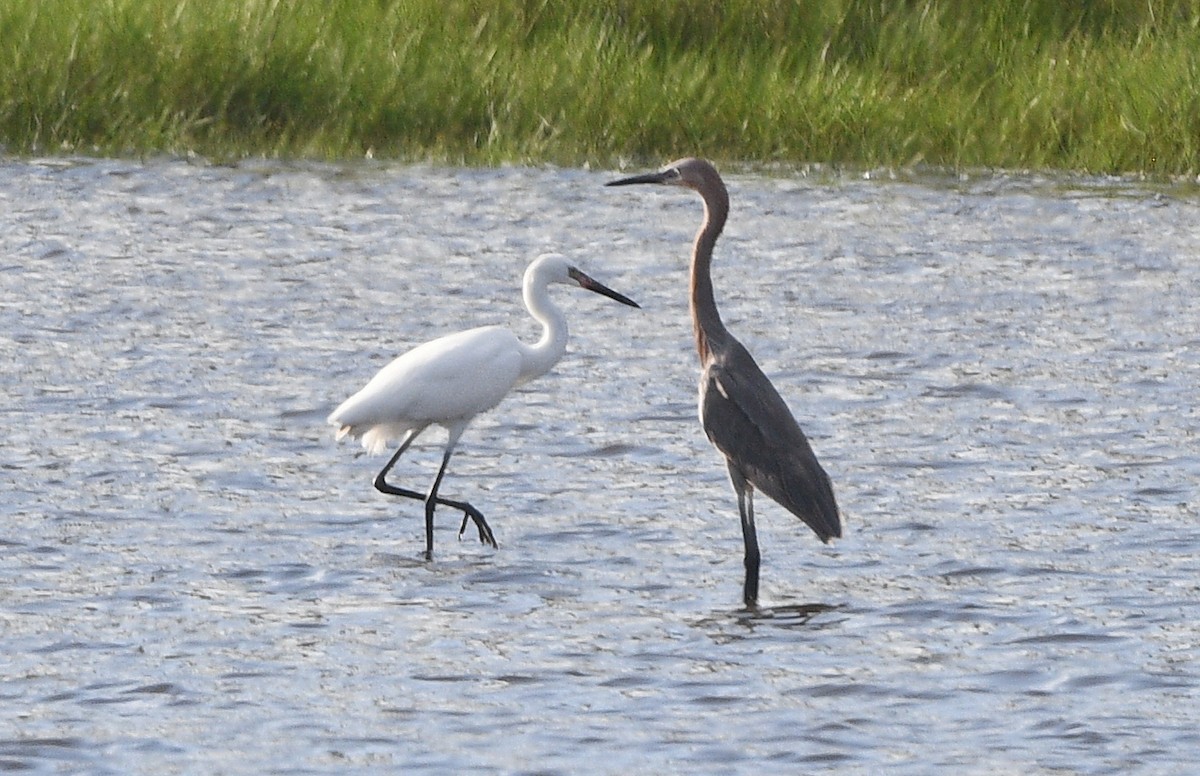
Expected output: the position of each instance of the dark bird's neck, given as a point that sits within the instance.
(706, 320)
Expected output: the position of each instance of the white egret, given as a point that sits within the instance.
(450, 380)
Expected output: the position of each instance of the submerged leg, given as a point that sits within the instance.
(383, 486)
(745, 496)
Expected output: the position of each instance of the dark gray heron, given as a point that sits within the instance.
(741, 412)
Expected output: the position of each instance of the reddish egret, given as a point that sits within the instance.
(450, 380)
(742, 413)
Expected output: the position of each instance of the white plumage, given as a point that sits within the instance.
(450, 380)
(446, 381)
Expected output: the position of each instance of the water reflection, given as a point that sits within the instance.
(750, 619)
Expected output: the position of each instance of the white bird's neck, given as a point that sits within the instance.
(540, 357)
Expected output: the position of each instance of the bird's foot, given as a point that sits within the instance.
(485, 531)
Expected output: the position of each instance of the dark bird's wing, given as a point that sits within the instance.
(747, 420)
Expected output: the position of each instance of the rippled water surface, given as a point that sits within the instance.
(1000, 374)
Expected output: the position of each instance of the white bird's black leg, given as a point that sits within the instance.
(430, 503)
(469, 512)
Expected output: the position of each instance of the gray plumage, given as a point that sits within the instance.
(741, 412)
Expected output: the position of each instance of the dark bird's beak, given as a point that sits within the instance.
(662, 176)
(593, 285)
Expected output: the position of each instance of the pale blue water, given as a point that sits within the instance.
(999, 372)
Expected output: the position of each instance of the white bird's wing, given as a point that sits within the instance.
(444, 381)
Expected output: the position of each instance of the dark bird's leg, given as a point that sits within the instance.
(745, 496)
(485, 531)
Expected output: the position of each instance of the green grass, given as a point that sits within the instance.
(1102, 86)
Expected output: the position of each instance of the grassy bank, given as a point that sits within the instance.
(1106, 86)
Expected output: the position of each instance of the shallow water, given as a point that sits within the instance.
(999, 372)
